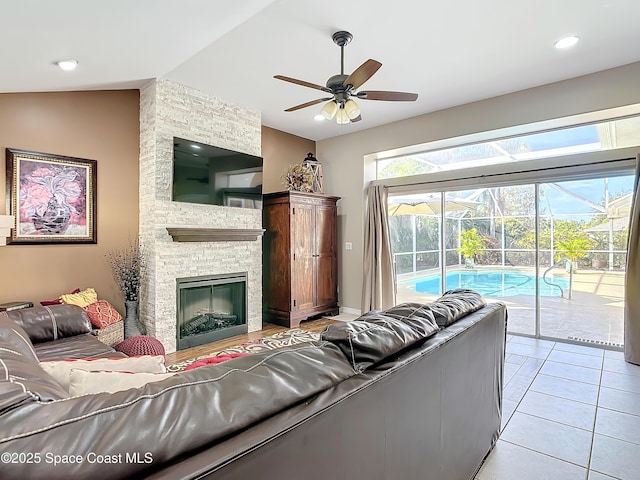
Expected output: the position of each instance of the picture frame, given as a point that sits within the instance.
(52, 198)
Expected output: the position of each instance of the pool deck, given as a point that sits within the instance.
(594, 314)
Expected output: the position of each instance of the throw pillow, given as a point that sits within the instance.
(81, 299)
(57, 301)
(102, 314)
(82, 382)
(61, 369)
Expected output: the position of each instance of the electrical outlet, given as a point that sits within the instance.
(348, 246)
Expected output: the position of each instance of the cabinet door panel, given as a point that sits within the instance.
(326, 255)
(326, 284)
(277, 286)
(325, 230)
(303, 288)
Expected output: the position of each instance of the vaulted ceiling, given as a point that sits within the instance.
(450, 53)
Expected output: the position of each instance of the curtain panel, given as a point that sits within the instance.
(632, 283)
(378, 285)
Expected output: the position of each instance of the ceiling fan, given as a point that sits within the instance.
(343, 88)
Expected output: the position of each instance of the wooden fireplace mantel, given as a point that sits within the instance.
(186, 234)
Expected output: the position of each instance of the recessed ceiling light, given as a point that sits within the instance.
(67, 65)
(197, 147)
(318, 118)
(566, 42)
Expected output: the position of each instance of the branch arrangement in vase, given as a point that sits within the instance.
(127, 265)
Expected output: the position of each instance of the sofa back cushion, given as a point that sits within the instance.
(455, 304)
(418, 315)
(47, 323)
(377, 335)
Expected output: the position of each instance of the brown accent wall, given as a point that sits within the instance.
(98, 125)
(279, 150)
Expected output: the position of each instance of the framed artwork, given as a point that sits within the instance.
(52, 197)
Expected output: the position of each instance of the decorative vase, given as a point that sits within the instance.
(132, 325)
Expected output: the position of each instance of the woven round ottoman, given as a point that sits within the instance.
(140, 345)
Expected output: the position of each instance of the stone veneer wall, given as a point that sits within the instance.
(168, 110)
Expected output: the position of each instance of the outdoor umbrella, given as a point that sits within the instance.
(615, 224)
(428, 205)
(617, 216)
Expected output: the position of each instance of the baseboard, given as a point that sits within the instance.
(352, 311)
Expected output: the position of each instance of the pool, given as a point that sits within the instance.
(491, 283)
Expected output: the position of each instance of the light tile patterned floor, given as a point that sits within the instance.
(569, 412)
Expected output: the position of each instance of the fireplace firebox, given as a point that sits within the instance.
(211, 308)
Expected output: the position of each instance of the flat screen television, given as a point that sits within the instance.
(216, 176)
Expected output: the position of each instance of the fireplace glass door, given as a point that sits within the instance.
(211, 308)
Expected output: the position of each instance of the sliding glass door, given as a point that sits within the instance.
(554, 252)
(583, 230)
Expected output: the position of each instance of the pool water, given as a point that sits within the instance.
(492, 283)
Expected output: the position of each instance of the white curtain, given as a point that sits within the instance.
(378, 286)
(632, 283)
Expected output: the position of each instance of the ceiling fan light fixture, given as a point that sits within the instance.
(329, 110)
(352, 109)
(342, 117)
(343, 87)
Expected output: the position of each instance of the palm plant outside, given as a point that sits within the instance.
(471, 243)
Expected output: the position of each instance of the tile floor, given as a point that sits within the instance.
(569, 412)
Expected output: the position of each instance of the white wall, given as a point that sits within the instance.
(347, 176)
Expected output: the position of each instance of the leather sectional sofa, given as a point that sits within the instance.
(413, 392)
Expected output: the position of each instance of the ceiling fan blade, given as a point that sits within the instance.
(357, 119)
(388, 96)
(363, 73)
(303, 83)
(308, 104)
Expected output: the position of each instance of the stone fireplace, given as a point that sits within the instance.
(171, 233)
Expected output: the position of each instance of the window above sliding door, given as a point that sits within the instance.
(594, 137)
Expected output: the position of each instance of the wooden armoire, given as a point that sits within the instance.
(300, 257)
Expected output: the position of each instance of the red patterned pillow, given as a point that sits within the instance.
(102, 314)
